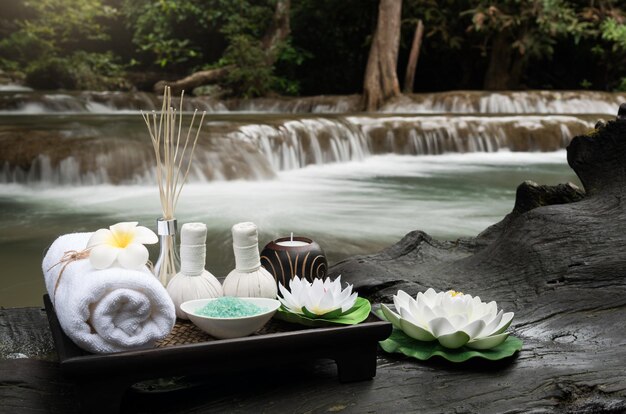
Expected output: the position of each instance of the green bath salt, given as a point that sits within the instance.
(229, 307)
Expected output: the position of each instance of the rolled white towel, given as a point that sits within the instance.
(109, 310)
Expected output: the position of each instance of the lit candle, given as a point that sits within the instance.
(292, 242)
(288, 257)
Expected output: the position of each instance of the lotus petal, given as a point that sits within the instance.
(488, 342)
(327, 303)
(414, 309)
(425, 313)
(492, 308)
(458, 320)
(427, 298)
(504, 323)
(454, 340)
(415, 331)
(406, 314)
(441, 326)
(391, 316)
(491, 326)
(401, 299)
(288, 300)
(474, 328)
(439, 311)
(455, 305)
(349, 302)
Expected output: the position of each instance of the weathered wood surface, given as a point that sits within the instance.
(558, 261)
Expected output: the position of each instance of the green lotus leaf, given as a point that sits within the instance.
(358, 313)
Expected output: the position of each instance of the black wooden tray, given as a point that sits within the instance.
(103, 379)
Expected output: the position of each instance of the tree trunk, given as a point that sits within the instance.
(415, 52)
(506, 65)
(278, 32)
(276, 35)
(381, 79)
(497, 74)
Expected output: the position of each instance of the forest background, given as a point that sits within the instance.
(132, 44)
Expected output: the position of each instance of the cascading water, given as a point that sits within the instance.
(523, 102)
(92, 150)
(22, 101)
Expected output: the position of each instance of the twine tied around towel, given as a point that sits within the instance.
(68, 257)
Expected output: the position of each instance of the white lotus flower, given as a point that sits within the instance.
(122, 242)
(452, 318)
(317, 299)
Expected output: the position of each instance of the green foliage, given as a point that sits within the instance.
(244, 24)
(585, 84)
(443, 21)
(533, 27)
(178, 36)
(615, 33)
(81, 70)
(51, 46)
(84, 43)
(22, 47)
(251, 76)
(63, 22)
(161, 29)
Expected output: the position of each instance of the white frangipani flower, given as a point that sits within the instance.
(123, 242)
(317, 299)
(452, 318)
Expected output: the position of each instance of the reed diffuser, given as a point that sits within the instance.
(173, 163)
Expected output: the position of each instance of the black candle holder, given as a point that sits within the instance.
(285, 262)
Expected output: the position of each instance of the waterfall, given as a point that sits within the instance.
(523, 102)
(115, 149)
(23, 101)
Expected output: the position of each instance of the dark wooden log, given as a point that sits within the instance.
(203, 77)
(24, 333)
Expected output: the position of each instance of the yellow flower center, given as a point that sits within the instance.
(454, 293)
(121, 240)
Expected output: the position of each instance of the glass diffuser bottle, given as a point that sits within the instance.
(168, 263)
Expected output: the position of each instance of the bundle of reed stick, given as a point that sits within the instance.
(165, 130)
(174, 157)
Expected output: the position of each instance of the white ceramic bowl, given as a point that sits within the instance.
(230, 327)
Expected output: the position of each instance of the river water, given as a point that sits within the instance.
(443, 163)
